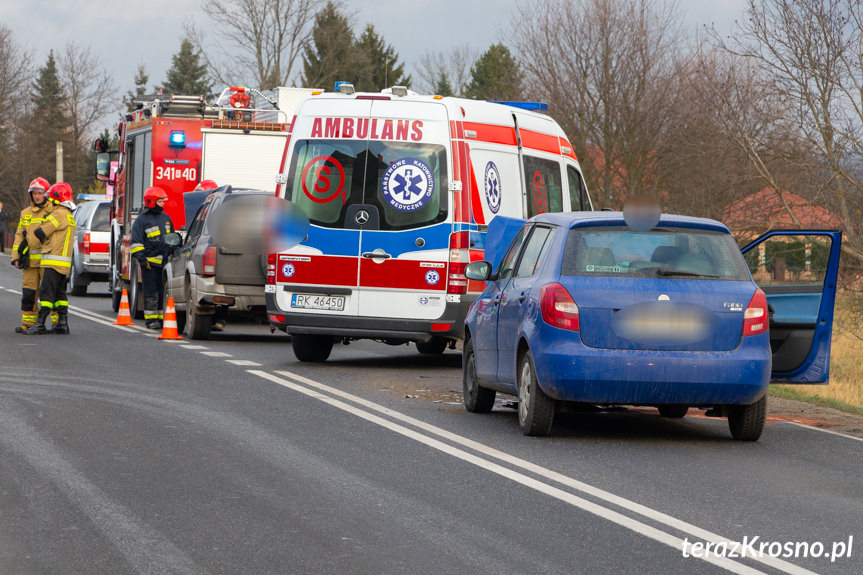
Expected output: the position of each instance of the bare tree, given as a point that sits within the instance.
(258, 40)
(455, 65)
(811, 52)
(16, 72)
(608, 70)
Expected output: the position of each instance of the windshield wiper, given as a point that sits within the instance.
(673, 272)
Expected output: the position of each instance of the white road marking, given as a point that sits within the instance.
(606, 496)
(244, 362)
(822, 429)
(193, 346)
(216, 354)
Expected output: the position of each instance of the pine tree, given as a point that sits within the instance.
(442, 86)
(141, 79)
(187, 74)
(48, 123)
(330, 55)
(379, 65)
(495, 76)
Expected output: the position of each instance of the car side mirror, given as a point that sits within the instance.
(479, 271)
(173, 239)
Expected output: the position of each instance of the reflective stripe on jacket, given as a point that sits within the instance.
(59, 229)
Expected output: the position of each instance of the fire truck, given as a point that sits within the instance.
(175, 142)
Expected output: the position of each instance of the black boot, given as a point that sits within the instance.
(62, 325)
(38, 328)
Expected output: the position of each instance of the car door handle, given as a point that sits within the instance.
(378, 253)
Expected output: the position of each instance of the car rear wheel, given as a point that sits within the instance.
(199, 325)
(77, 284)
(435, 346)
(673, 411)
(747, 421)
(135, 300)
(476, 399)
(312, 348)
(535, 408)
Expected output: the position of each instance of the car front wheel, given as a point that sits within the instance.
(747, 421)
(535, 408)
(476, 399)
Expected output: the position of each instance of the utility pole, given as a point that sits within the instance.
(59, 162)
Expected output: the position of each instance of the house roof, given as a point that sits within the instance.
(764, 210)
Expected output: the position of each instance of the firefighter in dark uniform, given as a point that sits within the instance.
(27, 250)
(57, 237)
(151, 251)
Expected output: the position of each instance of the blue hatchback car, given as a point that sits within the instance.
(581, 308)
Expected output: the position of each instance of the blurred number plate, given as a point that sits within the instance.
(309, 301)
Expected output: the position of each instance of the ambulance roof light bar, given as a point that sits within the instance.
(535, 106)
(344, 87)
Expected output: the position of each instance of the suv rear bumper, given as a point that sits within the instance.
(246, 297)
(374, 327)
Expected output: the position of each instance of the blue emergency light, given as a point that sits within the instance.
(178, 139)
(537, 106)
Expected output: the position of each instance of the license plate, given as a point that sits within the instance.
(311, 301)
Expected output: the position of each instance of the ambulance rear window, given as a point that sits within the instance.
(406, 183)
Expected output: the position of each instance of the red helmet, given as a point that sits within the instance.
(152, 195)
(38, 184)
(60, 192)
(206, 185)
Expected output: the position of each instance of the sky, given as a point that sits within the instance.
(124, 33)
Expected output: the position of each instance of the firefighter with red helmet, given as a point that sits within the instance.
(151, 251)
(27, 250)
(56, 235)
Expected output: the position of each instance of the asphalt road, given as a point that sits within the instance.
(122, 453)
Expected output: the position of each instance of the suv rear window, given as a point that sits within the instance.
(101, 221)
(661, 252)
(406, 182)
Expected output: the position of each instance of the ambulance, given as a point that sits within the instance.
(399, 189)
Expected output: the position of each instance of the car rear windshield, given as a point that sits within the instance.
(662, 252)
(101, 221)
(406, 183)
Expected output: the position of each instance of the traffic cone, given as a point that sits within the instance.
(123, 315)
(169, 327)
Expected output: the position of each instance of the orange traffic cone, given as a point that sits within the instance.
(169, 328)
(123, 315)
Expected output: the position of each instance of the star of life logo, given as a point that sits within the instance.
(288, 270)
(432, 277)
(492, 187)
(408, 185)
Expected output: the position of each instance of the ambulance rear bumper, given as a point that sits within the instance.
(450, 324)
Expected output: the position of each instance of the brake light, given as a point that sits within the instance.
(209, 262)
(755, 318)
(459, 257)
(558, 308)
(271, 268)
(87, 244)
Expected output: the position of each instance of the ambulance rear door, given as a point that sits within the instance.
(404, 217)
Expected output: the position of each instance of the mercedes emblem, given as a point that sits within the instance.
(362, 217)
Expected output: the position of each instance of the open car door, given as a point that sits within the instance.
(798, 269)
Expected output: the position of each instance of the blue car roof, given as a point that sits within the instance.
(603, 218)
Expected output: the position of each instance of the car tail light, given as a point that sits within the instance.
(755, 318)
(459, 257)
(277, 318)
(558, 308)
(209, 262)
(87, 244)
(271, 268)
